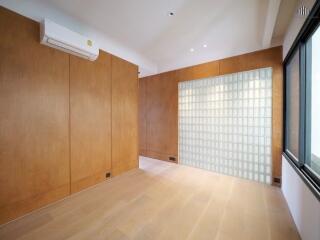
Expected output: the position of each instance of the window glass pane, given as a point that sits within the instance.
(292, 106)
(313, 99)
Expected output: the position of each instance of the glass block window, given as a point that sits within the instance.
(225, 124)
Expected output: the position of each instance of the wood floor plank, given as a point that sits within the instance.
(162, 200)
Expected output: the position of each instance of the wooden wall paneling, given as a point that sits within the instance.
(124, 116)
(142, 117)
(90, 120)
(249, 61)
(162, 118)
(277, 120)
(204, 70)
(34, 119)
(162, 105)
(162, 100)
(233, 65)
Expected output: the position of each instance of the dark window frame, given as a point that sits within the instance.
(300, 44)
(296, 159)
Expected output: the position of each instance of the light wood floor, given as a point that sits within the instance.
(163, 201)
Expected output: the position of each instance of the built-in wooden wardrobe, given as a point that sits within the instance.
(65, 123)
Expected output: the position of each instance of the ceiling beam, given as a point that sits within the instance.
(271, 18)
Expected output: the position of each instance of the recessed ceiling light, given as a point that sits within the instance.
(170, 14)
(191, 49)
(205, 45)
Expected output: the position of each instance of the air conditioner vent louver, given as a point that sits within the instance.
(61, 38)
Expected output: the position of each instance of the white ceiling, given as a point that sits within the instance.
(286, 13)
(142, 32)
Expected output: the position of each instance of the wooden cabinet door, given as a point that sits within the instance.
(124, 116)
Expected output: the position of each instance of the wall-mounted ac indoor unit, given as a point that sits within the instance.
(59, 37)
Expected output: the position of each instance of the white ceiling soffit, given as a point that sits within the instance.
(142, 31)
(286, 13)
(273, 9)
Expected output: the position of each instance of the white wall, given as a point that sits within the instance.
(303, 205)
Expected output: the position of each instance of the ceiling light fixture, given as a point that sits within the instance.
(205, 45)
(191, 49)
(170, 14)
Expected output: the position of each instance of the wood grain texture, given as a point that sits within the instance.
(142, 116)
(162, 116)
(34, 119)
(162, 95)
(186, 204)
(38, 128)
(277, 119)
(196, 72)
(161, 108)
(90, 120)
(124, 116)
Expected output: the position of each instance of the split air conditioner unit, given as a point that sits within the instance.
(59, 37)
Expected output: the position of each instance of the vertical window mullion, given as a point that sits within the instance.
(302, 112)
(308, 86)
